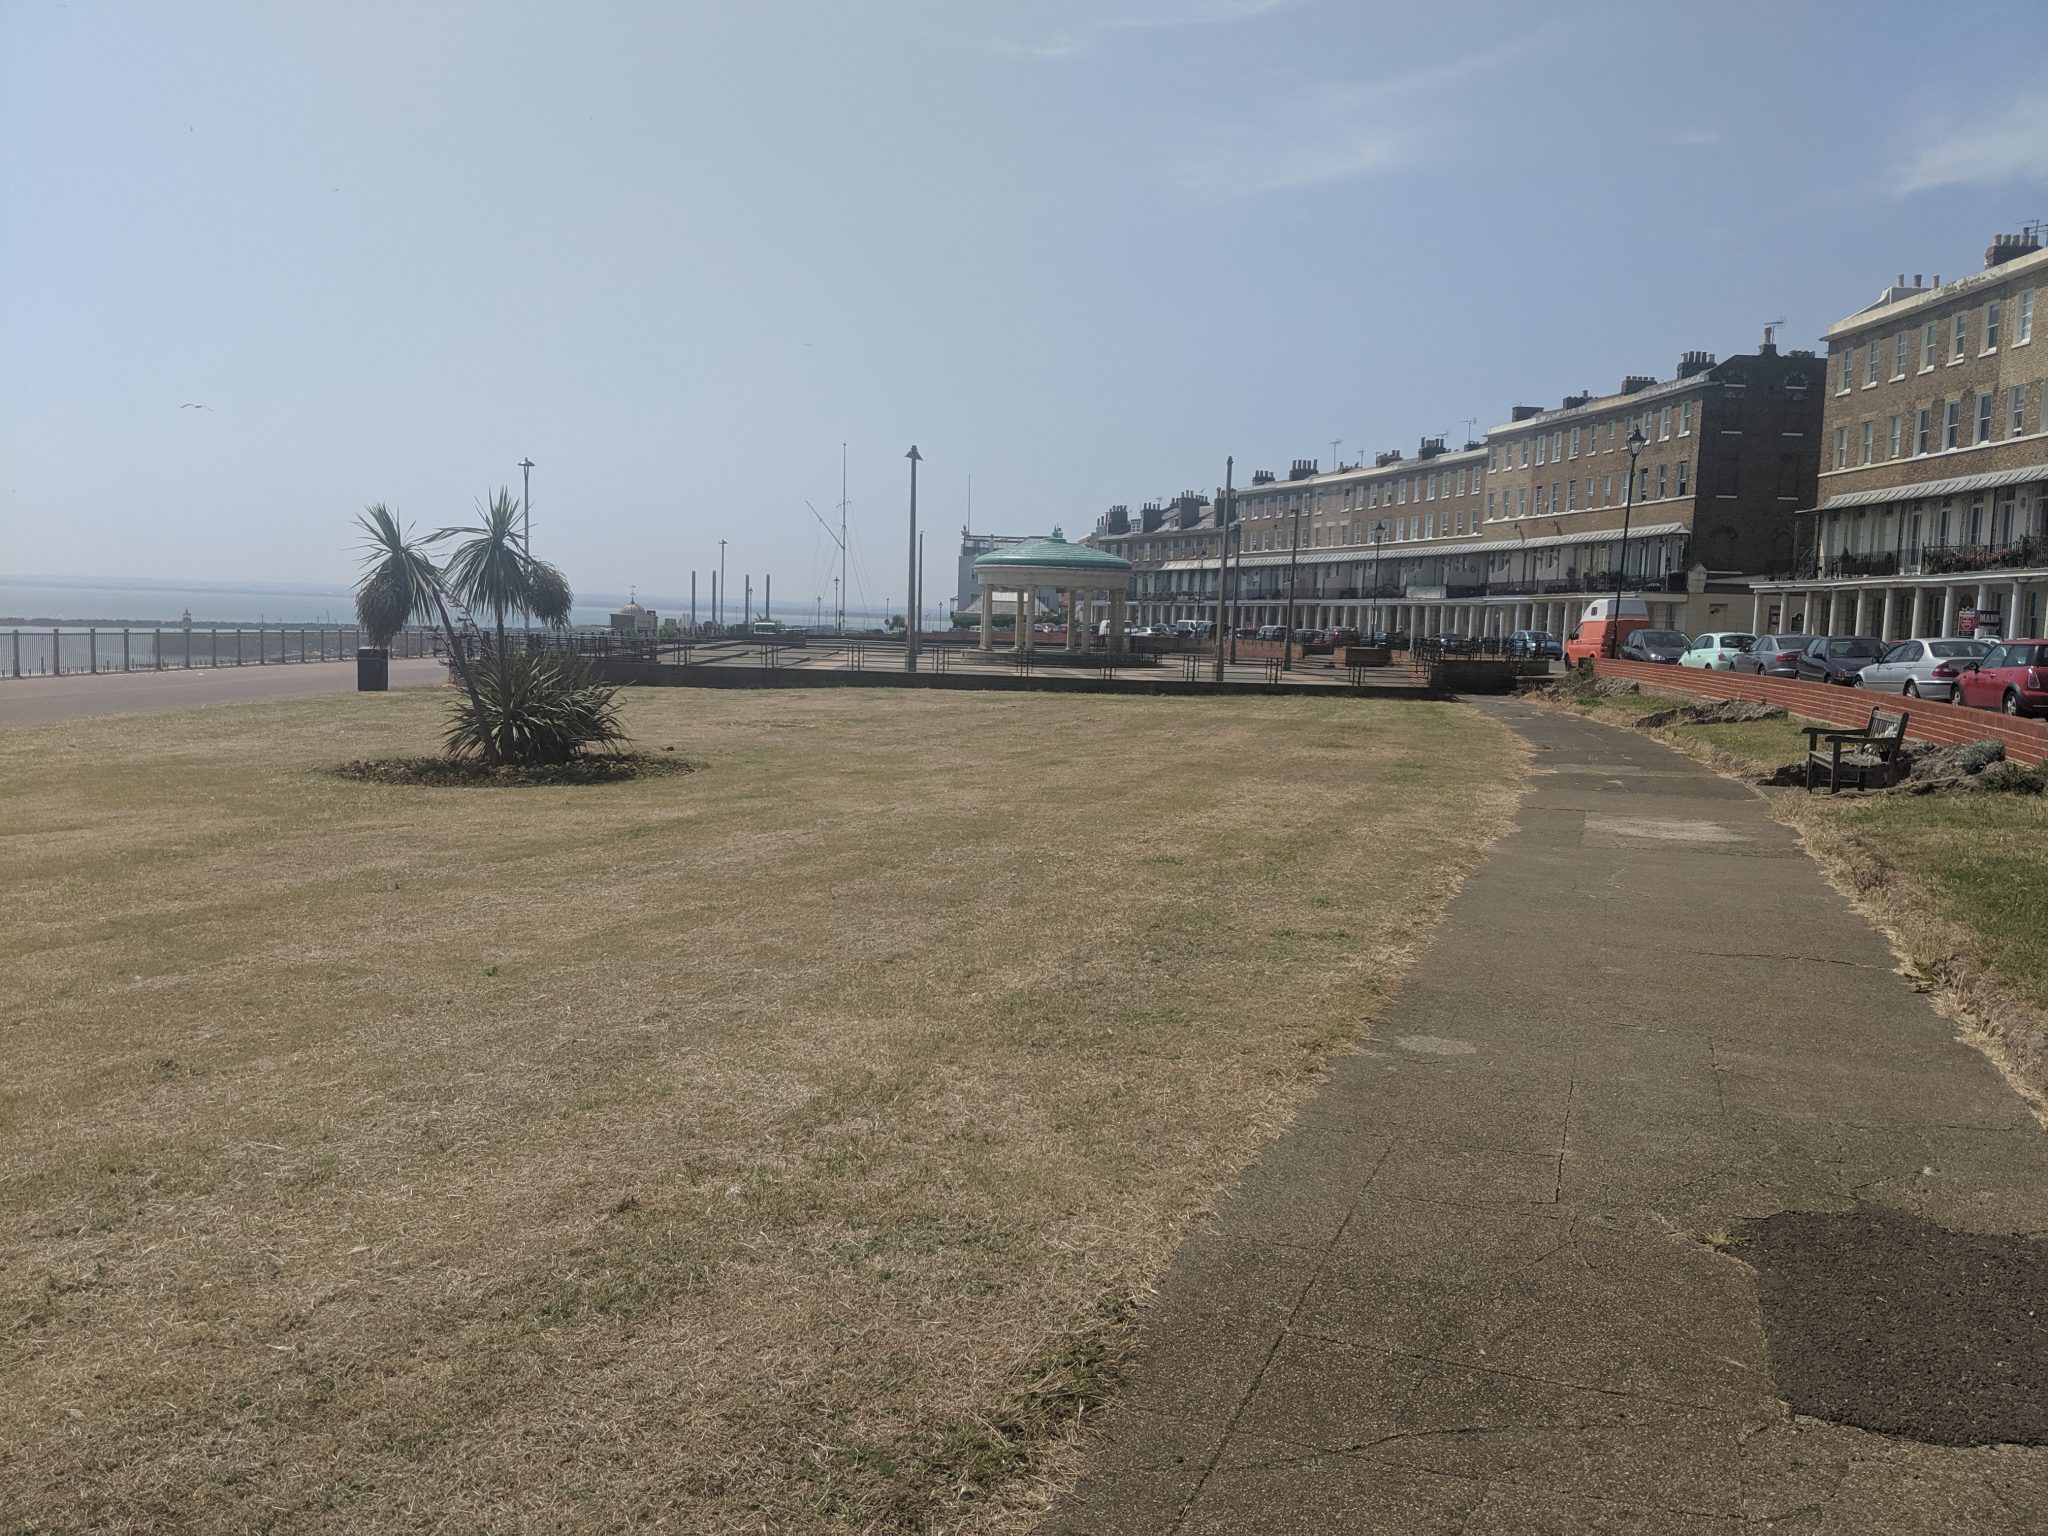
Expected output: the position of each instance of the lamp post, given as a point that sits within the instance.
(1379, 534)
(910, 605)
(526, 514)
(1636, 444)
(1223, 563)
(718, 613)
(1293, 564)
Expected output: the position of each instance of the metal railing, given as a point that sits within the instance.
(78, 650)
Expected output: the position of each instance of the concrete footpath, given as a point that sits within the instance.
(81, 696)
(1657, 1202)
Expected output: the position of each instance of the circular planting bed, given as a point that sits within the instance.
(457, 773)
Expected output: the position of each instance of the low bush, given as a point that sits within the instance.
(532, 708)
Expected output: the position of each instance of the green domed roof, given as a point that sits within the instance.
(1053, 553)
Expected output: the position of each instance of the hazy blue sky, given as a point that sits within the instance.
(679, 253)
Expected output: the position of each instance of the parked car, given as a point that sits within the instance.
(1922, 669)
(1341, 634)
(1272, 632)
(1772, 655)
(1716, 651)
(2012, 676)
(1539, 643)
(1393, 639)
(1836, 658)
(1451, 643)
(1663, 645)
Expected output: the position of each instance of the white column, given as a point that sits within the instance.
(1916, 622)
(1023, 631)
(1116, 620)
(988, 616)
(1073, 595)
(1948, 609)
(1756, 614)
(1890, 593)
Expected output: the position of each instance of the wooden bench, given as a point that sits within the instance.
(1865, 759)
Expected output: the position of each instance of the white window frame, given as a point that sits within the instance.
(2023, 322)
(1899, 356)
(1959, 343)
(2016, 405)
(1930, 341)
(1994, 317)
(1841, 448)
(1685, 418)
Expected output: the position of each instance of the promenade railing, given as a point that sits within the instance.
(65, 650)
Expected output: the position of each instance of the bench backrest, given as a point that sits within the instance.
(1887, 725)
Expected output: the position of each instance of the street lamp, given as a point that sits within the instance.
(718, 617)
(1636, 444)
(1379, 534)
(1293, 563)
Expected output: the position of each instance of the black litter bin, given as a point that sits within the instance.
(373, 669)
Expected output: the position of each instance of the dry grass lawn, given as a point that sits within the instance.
(772, 1148)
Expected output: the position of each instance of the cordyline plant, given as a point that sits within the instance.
(518, 707)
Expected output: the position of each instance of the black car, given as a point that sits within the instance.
(1837, 658)
(1665, 645)
(1392, 639)
(1772, 655)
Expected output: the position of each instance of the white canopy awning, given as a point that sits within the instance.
(1956, 485)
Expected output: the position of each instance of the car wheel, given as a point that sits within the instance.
(2012, 702)
(1853, 682)
(1911, 690)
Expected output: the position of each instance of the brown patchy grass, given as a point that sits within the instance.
(775, 1147)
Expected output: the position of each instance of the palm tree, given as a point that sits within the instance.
(491, 569)
(401, 584)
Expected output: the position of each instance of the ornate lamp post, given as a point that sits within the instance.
(1636, 444)
(1379, 534)
(1293, 563)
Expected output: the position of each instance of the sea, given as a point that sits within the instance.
(112, 603)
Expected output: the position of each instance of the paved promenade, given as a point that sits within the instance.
(46, 700)
(1658, 1202)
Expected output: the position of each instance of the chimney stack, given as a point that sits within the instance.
(1302, 469)
(1694, 362)
(1524, 412)
(1431, 447)
(2004, 248)
(1636, 382)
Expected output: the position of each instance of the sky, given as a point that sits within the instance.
(264, 263)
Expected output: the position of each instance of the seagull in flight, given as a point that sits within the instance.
(189, 406)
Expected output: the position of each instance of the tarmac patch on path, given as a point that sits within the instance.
(1880, 1320)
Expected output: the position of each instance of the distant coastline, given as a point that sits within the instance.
(106, 602)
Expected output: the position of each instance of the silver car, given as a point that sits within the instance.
(1921, 669)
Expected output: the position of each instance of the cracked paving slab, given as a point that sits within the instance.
(1495, 1278)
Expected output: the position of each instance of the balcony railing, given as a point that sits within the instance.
(1928, 560)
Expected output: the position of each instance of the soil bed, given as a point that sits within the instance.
(455, 773)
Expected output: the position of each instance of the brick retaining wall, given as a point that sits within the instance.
(2025, 741)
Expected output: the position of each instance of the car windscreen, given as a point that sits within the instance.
(1953, 649)
(1662, 637)
(1737, 642)
(1854, 646)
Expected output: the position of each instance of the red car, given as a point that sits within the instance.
(2012, 678)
